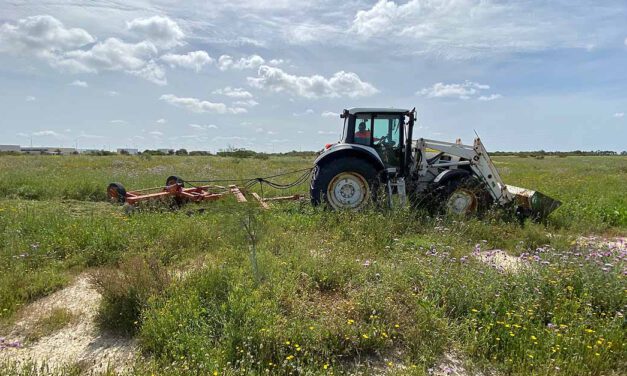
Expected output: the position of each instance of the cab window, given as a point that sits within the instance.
(363, 130)
(387, 138)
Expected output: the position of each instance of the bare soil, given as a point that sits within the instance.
(78, 343)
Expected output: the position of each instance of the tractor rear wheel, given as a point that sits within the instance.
(345, 183)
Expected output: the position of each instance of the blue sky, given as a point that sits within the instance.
(273, 75)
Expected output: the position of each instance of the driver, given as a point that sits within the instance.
(362, 136)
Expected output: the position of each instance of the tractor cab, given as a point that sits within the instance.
(380, 131)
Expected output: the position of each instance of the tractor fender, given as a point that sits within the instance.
(351, 150)
(448, 175)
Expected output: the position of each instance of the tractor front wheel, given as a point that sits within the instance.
(466, 197)
(345, 183)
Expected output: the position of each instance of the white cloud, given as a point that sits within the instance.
(490, 97)
(30, 98)
(115, 55)
(161, 121)
(203, 127)
(625, 41)
(78, 83)
(339, 85)
(156, 133)
(48, 39)
(41, 35)
(160, 30)
(467, 28)
(191, 60)
(465, 90)
(112, 93)
(47, 133)
(200, 106)
(226, 62)
(236, 92)
(308, 111)
(151, 72)
(327, 132)
(619, 114)
(246, 103)
(330, 114)
(118, 122)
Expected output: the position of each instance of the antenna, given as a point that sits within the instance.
(476, 134)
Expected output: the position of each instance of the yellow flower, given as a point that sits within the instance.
(365, 336)
(589, 331)
(597, 354)
(215, 373)
(498, 339)
(474, 310)
(350, 322)
(290, 357)
(325, 366)
(311, 328)
(397, 326)
(534, 338)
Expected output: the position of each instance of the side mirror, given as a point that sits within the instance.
(344, 114)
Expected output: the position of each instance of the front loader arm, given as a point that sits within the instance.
(476, 156)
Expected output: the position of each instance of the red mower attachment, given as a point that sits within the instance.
(175, 188)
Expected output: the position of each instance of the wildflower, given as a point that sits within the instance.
(290, 357)
(397, 326)
(215, 373)
(597, 354)
(534, 338)
(350, 322)
(365, 336)
(311, 328)
(325, 366)
(589, 330)
(474, 310)
(287, 343)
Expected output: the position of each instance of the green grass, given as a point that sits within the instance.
(322, 291)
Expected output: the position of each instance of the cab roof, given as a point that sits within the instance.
(357, 110)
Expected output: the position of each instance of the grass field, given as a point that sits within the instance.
(307, 291)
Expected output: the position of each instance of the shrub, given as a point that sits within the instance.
(125, 292)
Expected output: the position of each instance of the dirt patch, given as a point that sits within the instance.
(79, 342)
(602, 243)
(452, 364)
(500, 260)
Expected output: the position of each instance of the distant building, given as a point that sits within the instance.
(128, 151)
(48, 150)
(14, 148)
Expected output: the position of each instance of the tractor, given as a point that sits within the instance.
(376, 156)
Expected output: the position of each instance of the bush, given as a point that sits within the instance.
(125, 292)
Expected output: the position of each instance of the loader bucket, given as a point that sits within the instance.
(533, 204)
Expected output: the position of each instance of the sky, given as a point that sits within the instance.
(274, 75)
